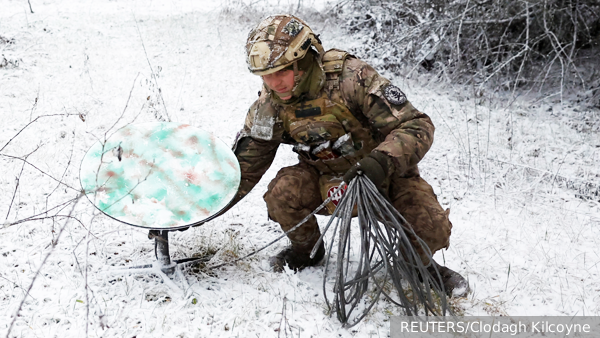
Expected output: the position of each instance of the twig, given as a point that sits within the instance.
(63, 174)
(18, 182)
(462, 19)
(49, 217)
(18, 178)
(37, 273)
(35, 102)
(559, 49)
(527, 47)
(85, 280)
(496, 21)
(501, 67)
(15, 284)
(574, 20)
(40, 170)
(30, 123)
(154, 77)
(507, 277)
(124, 109)
(284, 320)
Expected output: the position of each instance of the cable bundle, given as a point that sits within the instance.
(387, 259)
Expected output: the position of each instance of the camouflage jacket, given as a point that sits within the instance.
(381, 119)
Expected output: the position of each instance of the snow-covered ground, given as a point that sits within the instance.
(513, 176)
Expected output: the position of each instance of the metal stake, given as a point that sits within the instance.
(162, 252)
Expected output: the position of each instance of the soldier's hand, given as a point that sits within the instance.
(375, 166)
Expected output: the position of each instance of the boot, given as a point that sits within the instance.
(295, 260)
(455, 285)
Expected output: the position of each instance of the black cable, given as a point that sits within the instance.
(387, 266)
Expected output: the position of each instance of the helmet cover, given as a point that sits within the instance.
(277, 42)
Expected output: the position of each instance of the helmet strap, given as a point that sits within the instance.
(296, 73)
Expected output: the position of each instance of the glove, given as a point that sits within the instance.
(375, 166)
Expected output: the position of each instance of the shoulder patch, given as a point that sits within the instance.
(394, 95)
(264, 117)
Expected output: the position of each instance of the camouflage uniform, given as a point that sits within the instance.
(354, 100)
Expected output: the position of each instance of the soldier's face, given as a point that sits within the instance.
(282, 82)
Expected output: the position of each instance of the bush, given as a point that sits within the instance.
(543, 45)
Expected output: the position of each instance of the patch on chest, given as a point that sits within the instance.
(337, 197)
(315, 111)
(394, 95)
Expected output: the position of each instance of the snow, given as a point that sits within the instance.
(510, 171)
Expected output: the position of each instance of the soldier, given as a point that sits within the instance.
(340, 115)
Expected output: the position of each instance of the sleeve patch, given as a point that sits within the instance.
(394, 95)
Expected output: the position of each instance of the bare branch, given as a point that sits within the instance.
(40, 170)
(154, 77)
(37, 216)
(482, 40)
(124, 109)
(37, 273)
(30, 123)
(18, 182)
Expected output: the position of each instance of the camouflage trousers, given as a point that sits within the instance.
(295, 193)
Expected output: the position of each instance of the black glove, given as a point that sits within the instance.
(375, 166)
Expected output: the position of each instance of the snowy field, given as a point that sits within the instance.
(522, 181)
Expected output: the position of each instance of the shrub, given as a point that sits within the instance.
(543, 45)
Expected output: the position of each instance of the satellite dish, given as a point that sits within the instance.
(160, 175)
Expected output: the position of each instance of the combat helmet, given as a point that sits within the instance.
(278, 42)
